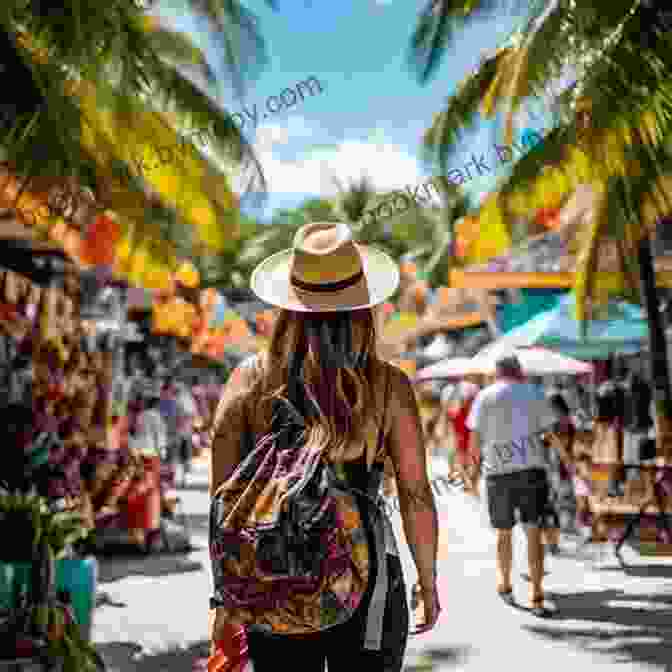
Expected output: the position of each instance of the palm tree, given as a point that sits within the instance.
(613, 129)
(103, 84)
(454, 205)
(418, 232)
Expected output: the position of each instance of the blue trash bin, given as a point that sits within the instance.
(15, 578)
(79, 577)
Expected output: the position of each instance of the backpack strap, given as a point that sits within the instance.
(373, 634)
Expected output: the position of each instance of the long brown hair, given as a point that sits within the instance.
(340, 366)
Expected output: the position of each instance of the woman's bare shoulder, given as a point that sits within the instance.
(396, 377)
(241, 383)
(401, 393)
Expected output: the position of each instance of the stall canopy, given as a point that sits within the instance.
(622, 328)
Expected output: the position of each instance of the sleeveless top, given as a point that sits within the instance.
(246, 425)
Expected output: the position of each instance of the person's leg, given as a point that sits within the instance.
(533, 504)
(551, 530)
(188, 453)
(462, 471)
(504, 560)
(474, 477)
(551, 538)
(502, 518)
(535, 559)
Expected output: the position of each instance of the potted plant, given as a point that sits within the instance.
(38, 622)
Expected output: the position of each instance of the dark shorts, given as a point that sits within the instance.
(524, 491)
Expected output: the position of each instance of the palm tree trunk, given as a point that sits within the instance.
(660, 372)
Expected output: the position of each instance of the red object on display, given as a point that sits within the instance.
(460, 247)
(144, 499)
(98, 246)
(547, 217)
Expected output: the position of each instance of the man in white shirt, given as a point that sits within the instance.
(507, 420)
(151, 437)
(186, 414)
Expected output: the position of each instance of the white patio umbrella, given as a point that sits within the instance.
(451, 368)
(534, 361)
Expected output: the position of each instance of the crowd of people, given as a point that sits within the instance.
(164, 426)
(484, 425)
(617, 428)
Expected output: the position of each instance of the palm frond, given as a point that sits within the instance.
(178, 49)
(235, 30)
(354, 197)
(461, 112)
(131, 64)
(194, 110)
(441, 21)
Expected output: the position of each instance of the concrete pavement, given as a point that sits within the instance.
(156, 616)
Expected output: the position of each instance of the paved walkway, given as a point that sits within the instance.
(608, 618)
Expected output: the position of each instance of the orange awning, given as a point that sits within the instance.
(513, 280)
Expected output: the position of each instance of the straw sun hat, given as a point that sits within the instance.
(326, 271)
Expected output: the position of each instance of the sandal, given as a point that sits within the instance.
(539, 610)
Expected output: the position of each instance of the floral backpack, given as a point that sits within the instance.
(288, 543)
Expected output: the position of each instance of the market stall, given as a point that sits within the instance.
(53, 413)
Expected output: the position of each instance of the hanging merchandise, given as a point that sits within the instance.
(187, 275)
(161, 317)
(98, 246)
(548, 217)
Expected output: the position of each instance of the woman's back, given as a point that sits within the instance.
(249, 420)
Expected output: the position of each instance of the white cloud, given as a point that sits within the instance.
(270, 134)
(388, 167)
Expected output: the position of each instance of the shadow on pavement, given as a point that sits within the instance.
(643, 571)
(637, 623)
(194, 487)
(431, 658)
(127, 657)
(120, 567)
(197, 522)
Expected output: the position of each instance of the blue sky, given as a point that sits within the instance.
(371, 113)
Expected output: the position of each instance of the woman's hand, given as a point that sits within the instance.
(426, 608)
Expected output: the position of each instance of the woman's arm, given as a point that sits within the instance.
(416, 501)
(230, 424)
(226, 437)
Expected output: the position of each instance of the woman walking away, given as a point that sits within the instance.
(304, 559)
(562, 504)
(607, 448)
